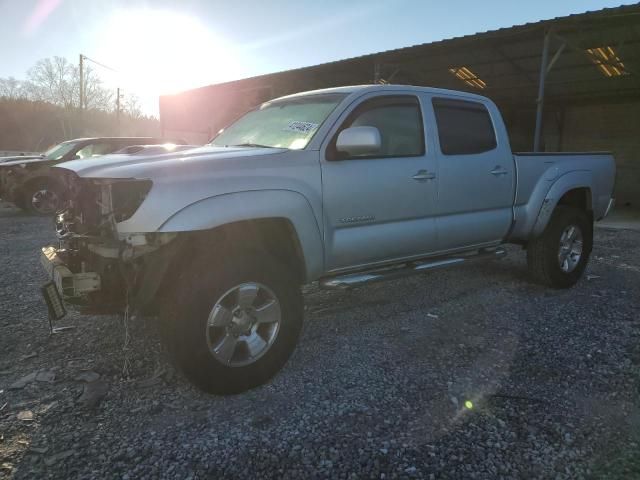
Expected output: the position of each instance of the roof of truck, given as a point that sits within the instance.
(390, 88)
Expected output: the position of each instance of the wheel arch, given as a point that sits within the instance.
(281, 220)
(274, 236)
(572, 189)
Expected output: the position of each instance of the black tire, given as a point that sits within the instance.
(52, 193)
(185, 315)
(542, 252)
(19, 202)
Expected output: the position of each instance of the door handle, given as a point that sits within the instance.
(424, 175)
(498, 170)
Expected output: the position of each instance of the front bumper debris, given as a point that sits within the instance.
(70, 285)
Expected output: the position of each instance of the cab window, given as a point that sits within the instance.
(398, 118)
(464, 127)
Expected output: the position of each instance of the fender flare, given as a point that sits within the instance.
(568, 181)
(229, 208)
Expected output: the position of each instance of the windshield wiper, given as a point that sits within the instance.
(256, 145)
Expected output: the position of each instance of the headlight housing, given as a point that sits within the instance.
(127, 196)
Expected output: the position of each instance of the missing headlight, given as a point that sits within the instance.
(127, 196)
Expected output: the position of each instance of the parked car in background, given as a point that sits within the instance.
(27, 181)
(343, 186)
(21, 156)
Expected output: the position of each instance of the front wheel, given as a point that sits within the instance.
(233, 322)
(559, 256)
(42, 198)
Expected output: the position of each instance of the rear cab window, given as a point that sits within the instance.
(464, 127)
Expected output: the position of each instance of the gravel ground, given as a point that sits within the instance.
(471, 372)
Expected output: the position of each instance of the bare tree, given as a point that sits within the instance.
(57, 81)
(12, 88)
(51, 94)
(132, 106)
(53, 81)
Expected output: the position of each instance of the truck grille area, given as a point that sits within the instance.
(82, 210)
(89, 242)
(85, 221)
(92, 207)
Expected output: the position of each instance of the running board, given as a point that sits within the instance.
(351, 280)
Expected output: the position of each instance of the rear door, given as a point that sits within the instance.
(380, 207)
(476, 181)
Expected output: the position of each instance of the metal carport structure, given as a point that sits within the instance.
(583, 69)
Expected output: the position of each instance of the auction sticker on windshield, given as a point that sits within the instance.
(301, 127)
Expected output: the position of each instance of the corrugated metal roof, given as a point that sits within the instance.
(557, 23)
(506, 60)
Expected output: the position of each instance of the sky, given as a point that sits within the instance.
(161, 46)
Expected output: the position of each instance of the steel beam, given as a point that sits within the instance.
(576, 48)
(540, 100)
(555, 58)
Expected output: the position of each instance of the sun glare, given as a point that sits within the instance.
(161, 51)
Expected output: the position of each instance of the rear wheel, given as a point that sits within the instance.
(559, 256)
(41, 198)
(233, 323)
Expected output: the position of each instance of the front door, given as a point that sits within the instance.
(379, 208)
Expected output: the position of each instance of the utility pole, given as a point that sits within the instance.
(83, 85)
(81, 102)
(118, 109)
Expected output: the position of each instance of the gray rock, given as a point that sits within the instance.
(23, 382)
(93, 393)
(48, 376)
(53, 459)
(40, 450)
(87, 376)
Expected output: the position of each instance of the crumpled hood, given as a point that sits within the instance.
(153, 166)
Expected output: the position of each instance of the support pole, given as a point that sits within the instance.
(540, 101)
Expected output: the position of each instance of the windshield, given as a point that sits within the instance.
(289, 123)
(59, 151)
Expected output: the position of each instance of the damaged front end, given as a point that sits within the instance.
(95, 267)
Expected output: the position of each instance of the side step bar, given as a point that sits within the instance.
(351, 280)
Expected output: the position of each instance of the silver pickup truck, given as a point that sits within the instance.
(342, 186)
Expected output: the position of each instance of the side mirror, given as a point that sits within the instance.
(75, 157)
(356, 141)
